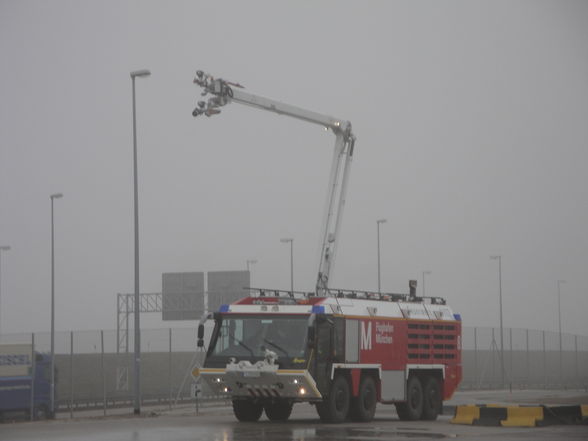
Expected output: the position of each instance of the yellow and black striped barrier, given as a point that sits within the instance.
(519, 416)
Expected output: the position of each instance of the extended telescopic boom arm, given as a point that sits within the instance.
(225, 92)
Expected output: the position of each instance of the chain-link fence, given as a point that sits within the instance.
(523, 358)
(94, 373)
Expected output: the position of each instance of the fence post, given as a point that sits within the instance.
(475, 355)
(33, 368)
(102, 369)
(170, 369)
(71, 393)
(118, 314)
(127, 323)
(527, 353)
(493, 345)
(562, 376)
(544, 363)
(576, 354)
(511, 374)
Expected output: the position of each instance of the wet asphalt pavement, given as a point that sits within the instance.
(218, 424)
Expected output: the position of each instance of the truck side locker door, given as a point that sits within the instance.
(323, 355)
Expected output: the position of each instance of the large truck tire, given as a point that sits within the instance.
(363, 407)
(335, 407)
(246, 410)
(278, 410)
(432, 401)
(412, 408)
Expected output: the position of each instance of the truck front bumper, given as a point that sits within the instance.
(261, 383)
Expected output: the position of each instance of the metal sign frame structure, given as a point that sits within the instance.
(148, 302)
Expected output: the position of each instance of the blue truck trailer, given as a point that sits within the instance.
(25, 384)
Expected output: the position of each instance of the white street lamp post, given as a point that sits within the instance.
(250, 263)
(291, 241)
(559, 282)
(501, 327)
(137, 362)
(378, 223)
(425, 273)
(52, 391)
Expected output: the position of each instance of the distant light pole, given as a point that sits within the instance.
(425, 273)
(559, 282)
(378, 222)
(250, 262)
(137, 362)
(291, 241)
(501, 327)
(52, 398)
(2, 248)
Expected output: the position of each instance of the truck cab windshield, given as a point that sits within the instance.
(248, 337)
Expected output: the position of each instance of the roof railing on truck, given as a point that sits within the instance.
(346, 294)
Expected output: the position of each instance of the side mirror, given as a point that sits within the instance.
(200, 343)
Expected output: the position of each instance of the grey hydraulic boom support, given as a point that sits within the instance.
(224, 92)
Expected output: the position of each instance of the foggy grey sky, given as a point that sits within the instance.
(472, 140)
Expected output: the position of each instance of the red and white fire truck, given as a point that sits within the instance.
(342, 351)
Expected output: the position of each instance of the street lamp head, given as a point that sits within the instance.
(286, 240)
(252, 261)
(56, 195)
(381, 221)
(5, 247)
(426, 272)
(140, 73)
(495, 257)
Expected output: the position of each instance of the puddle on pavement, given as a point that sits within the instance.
(331, 433)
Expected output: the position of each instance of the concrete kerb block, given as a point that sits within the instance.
(563, 415)
(523, 416)
(466, 414)
(519, 416)
(491, 415)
